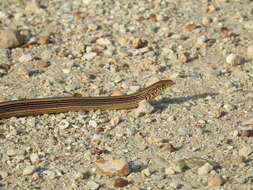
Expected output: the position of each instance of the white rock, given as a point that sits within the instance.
(183, 131)
(66, 70)
(146, 172)
(230, 58)
(3, 15)
(235, 133)
(89, 56)
(202, 39)
(205, 169)
(34, 157)
(144, 108)
(170, 171)
(86, 2)
(104, 42)
(109, 52)
(93, 123)
(64, 124)
(92, 26)
(49, 174)
(234, 59)
(29, 170)
(25, 58)
(92, 185)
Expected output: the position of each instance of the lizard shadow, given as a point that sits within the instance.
(163, 104)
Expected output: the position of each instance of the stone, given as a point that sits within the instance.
(25, 58)
(120, 182)
(144, 108)
(89, 56)
(78, 175)
(202, 39)
(215, 181)
(104, 42)
(93, 123)
(92, 185)
(117, 93)
(29, 170)
(234, 59)
(205, 169)
(10, 39)
(206, 21)
(34, 157)
(146, 172)
(170, 171)
(113, 167)
(183, 131)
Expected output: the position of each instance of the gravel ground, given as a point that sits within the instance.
(197, 135)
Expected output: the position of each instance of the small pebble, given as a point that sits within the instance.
(93, 123)
(92, 185)
(117, 93)
(205, 169)
(78, 175)
(113, 167)
(202, 39)
(89, 56)
(34, 157)
(29, 170)
(49, 174)
(234, 59)
(66, 70)
(183, 131)
(104, 41)
(206, 21)
(144, 108)
(229, 107)
(25, 58)
(146, 172)
(215, 181)
(10, 39)
(120, 182)
(170, 171)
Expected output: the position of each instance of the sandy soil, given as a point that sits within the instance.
(197, 135)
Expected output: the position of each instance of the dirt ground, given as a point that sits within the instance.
(197, 135)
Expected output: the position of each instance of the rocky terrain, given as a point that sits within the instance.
(197, 135)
